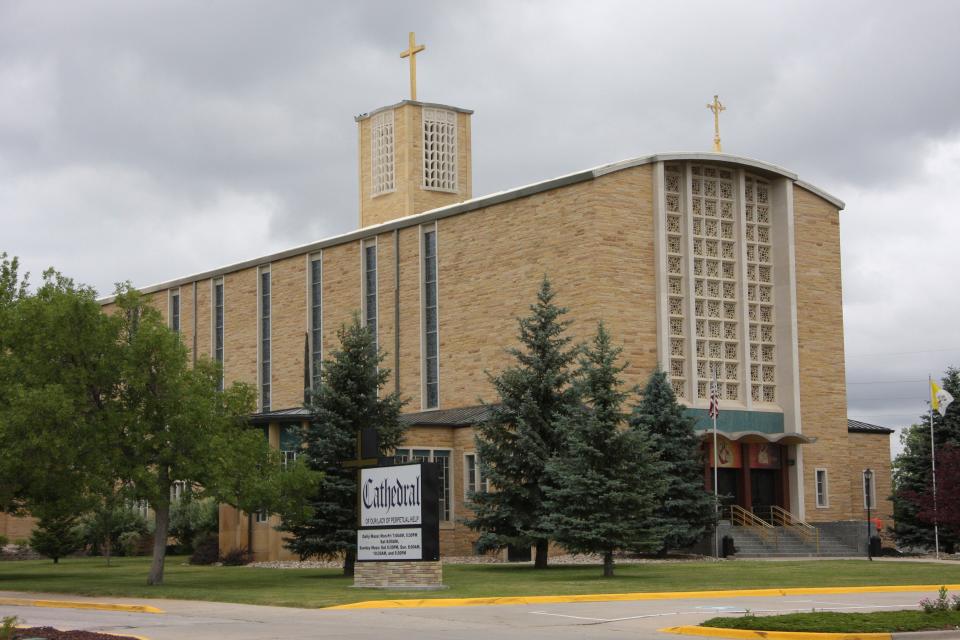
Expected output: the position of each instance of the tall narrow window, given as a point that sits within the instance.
(381, 152)
(760, 290)
(265, 339)
(442, 458)
(316, 319)
(823, 498)
(474, 479)
(218, 327)
(175, 310)
(431, 344)
(370, 287)
(439, 149)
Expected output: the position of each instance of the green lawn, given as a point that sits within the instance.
(325, 587)
(828, 621)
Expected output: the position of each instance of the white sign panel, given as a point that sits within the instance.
(391, 496)
(389, 544)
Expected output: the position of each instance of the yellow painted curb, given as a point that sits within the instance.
(71, 604)
(716, 632)
(627, 597)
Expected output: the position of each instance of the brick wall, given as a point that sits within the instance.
(410, 197)
(398, 574)
(871, 450)
(823, 394)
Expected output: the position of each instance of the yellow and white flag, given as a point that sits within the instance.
(940, 399)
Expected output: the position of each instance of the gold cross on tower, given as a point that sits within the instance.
(412, 54)
(716, 107)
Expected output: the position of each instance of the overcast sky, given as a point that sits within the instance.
(150, 140)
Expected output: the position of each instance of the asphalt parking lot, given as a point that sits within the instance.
(636, 619)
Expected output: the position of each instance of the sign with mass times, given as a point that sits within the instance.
(399, 513)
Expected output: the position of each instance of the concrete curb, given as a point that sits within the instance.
(73, 604)
(628, 597)
(718, 632)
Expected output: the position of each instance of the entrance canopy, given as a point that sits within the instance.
(758, 437)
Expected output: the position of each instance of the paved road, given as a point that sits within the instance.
(207, 620)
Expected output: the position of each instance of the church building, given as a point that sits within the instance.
(699, 261)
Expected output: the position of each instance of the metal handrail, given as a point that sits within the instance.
(740, 517)
(782, 517)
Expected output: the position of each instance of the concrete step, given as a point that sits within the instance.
(786, 543)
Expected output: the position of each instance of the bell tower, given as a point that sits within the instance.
(414, 156)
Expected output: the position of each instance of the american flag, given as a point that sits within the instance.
(714, 397)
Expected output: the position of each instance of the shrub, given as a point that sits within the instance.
(7, 626)
(206, 550)
(942, 603)
(191, 520)
(22, 542)
(56, 536)
(111, 523)
(4, 540)
(129, 543)
(236, 557)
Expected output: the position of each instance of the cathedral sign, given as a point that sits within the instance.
(399, 513)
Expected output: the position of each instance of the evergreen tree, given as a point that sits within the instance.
(347, 400)
(56, 536)
(601, 492)
(912, 473)
(522, 433)
(687, 512)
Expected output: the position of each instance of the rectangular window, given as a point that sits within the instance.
(370, 287)
(474, 479)
(175, 310)
(439, 150)
(823, 498)
(431, 343)
(381, 152)
(262, 517)
(287, 458)
(265, 339)
(218, 327)
(869, 492)
(441, 457)
(316, 320)
(178, 490)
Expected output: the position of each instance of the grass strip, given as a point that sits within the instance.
(326, 587)
(842, 622)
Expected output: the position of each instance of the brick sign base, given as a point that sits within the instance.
(399, 575)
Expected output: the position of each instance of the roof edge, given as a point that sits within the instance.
(431, 105)
(480, 203)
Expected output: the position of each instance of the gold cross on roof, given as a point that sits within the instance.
(716, 107)
(411, 53)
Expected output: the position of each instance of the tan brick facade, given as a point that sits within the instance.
(409, 197)
(594, 236)
(823, 393)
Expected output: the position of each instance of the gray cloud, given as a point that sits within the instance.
(153, 139)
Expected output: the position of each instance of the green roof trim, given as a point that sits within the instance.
(731, 421)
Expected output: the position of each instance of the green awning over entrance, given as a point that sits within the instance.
(731, 421)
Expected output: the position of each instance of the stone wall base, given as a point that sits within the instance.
(398, 575)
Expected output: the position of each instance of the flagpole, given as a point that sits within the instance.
(716, 489)
(933, 468)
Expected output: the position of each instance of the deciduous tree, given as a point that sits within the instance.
(912, 471)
